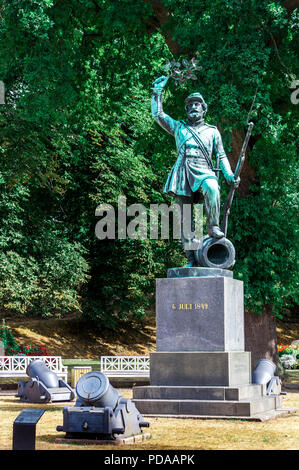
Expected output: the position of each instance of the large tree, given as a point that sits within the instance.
(248, 53)
(76, 131)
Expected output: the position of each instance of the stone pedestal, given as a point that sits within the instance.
(200, 367)
(200, 314)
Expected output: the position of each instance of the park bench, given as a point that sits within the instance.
(15, 366)
(125, 366)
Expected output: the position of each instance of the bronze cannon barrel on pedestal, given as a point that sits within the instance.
(216, 253)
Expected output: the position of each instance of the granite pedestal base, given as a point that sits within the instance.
(242, 402)
(203, 384)
(200, 368)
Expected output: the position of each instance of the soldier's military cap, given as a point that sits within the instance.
(196, 97)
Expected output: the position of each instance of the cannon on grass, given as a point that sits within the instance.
(43, 386)
(100, 412)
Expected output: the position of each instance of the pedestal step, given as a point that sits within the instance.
(238, 393)
(215, 408)
(200, 368)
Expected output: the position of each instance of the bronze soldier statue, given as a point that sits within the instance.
(193, 172)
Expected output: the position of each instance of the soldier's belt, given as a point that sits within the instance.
(199, 160)
(196, 154)
(193, 153)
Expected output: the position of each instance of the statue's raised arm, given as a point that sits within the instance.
(165, 121)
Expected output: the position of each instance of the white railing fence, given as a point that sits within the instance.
(125, 366)
(112, 366)
(15, 366)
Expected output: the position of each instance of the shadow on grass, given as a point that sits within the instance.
(25, 406)
(51, 440)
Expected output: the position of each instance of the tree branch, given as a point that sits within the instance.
(291, 5)
(161, 21)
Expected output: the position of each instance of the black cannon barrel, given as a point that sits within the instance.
(38, 369)
(95, 389)
(100, 411)
(263, 372)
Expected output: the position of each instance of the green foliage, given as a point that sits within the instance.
(40, 270)
(266, 223)
(76, 131)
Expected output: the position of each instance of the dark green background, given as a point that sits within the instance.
(76, 131)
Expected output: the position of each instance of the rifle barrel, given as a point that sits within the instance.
(238, 169)
(242, 154)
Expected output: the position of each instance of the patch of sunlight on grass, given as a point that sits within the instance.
(168, 433)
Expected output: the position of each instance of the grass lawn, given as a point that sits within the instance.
(167, 433)
(70, 339)
(292, 376)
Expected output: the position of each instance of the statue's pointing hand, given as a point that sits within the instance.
(160, 82)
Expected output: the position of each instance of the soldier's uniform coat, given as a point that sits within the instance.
(191, 168)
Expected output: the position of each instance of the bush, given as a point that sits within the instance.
(21, 350)
(48, 285)
(288, 361)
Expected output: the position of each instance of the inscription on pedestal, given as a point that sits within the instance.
(189, 306)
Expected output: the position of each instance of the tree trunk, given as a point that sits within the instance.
(260, 336)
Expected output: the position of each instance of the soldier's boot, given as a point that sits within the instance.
(212, 203)
(215, 232)
(190, 254)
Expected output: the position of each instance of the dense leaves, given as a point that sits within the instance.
(76, 131)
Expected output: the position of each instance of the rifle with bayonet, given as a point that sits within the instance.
(233, 187)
